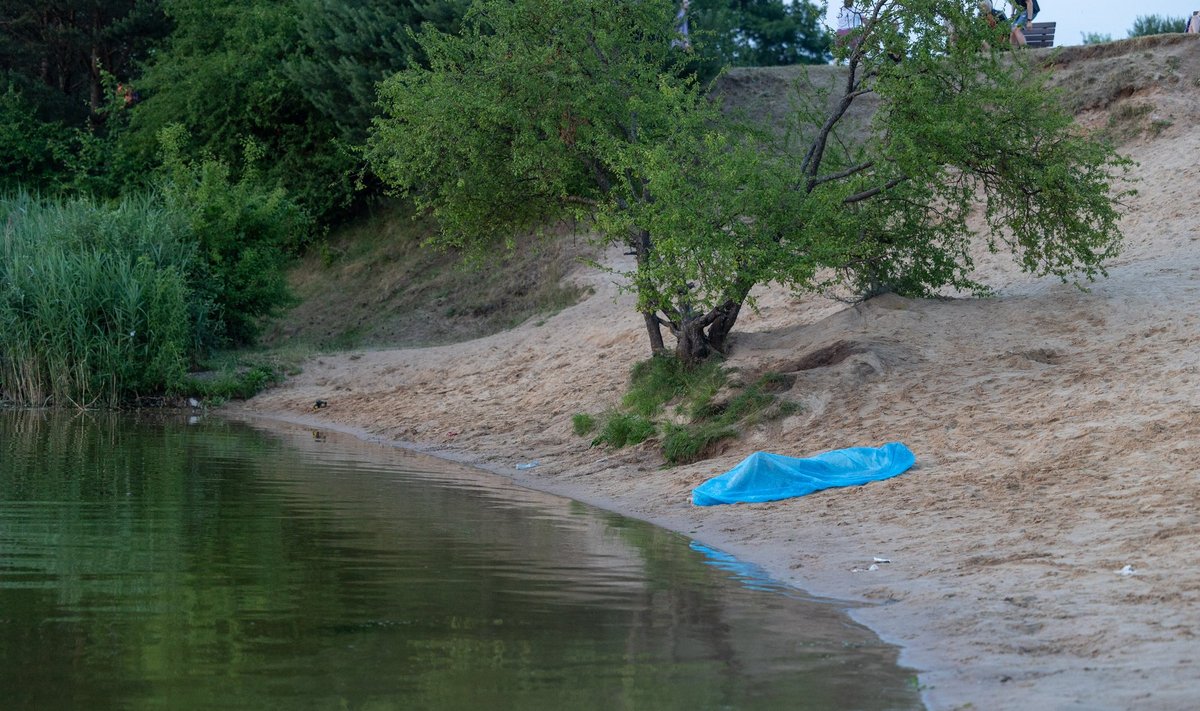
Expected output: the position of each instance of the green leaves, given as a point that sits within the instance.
(513, 121)
(1145, 25)
(962, 127)
(545, 110)
(223, 74)
(756, 33)
(531, 115)
(244, 232)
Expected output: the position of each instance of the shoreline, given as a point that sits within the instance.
(1042, 548)
(681, 523)
(1052, 431)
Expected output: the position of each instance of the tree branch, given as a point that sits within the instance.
(814, 182)
(812, 161)
(591, 38)
(867, 194)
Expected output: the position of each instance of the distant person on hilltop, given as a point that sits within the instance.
(683, 41)
(1026, 10)
(990, 14)
(993, 17)
(1193, 25)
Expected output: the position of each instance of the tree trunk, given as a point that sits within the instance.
(95, 85)
(641, 247)
(654, 332)
(718, 331)
(700, 337)
(691, 342)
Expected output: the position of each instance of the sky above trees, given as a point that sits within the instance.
(1075, 17)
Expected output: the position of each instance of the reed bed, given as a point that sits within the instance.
(95, 304)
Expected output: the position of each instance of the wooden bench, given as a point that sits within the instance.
(1040, 34)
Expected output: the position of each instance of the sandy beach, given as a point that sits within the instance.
(1043, 547)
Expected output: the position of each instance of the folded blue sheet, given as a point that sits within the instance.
(768, 477)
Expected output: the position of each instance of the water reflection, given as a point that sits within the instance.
(146, 563)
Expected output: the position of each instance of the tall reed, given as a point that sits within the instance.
(95, 305)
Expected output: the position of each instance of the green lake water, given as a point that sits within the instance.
(198, 563)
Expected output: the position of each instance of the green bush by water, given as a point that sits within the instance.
(240, 383)
(95, 304)
(245, 232)
(688, 443)
(663, 378)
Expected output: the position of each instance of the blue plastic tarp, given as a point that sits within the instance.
(768, 477)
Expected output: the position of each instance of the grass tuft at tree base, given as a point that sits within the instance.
(699, 421)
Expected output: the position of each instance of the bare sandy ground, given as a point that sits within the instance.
(1056, 434)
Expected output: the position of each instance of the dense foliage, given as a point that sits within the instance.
(1157, 25)
(344, 49)
(86, 87)
(221, 76)
(101, 302)
(756, 33)
(62, 64)
(60, 50)
(529, 114)
(34, 153)
(243, 232)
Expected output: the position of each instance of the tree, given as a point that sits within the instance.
(346, 48)
(1157, 25)
(758, 33)
(297, 77)
(221, 75)
(60, 64)
(243, 233)
(66, 45)
(545, 109)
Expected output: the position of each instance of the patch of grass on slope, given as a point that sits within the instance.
(373, 284)
(691, 411)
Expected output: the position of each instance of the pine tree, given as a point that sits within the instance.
(60, 49)
(346, 48)
(758, 33)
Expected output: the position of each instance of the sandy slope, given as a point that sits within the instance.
(1055, 430)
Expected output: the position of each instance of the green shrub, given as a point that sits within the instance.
(622, 428)
(663, 378)
(238, 384)
(583, 423)
(245, 233)
(689, 443)
(750, 403)
(95, 304)
(1095, 38)
(42, 150)
(32, 151)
